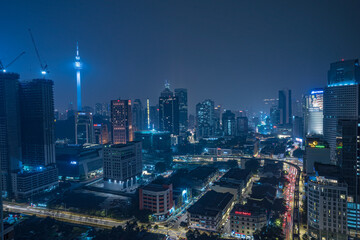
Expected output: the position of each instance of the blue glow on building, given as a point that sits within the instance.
(317, 92)
(78, 79)
(347, 83)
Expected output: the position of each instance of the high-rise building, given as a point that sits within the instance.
(217, 115)
(137, 115)
(205, 119)
(10, 128)
(313, 112)
(37, 122)
(327, 207)
(101, 133)
(341, 99)
(122, 163)
(228, 123)
(154, 117)
(298, 127)
(242, 127)
(348, 155)
(285, 106)
(102, 109)
(182, 96)
(121, 121)
(168, 111)
(84, 128)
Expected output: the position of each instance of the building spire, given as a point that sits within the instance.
(167, 85)
(78, 79)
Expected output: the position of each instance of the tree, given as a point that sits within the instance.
(156, 227)
(160, 167)
(269, 232)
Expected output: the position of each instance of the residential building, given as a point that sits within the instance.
(182, 96)
(205, 119)
(121, 121)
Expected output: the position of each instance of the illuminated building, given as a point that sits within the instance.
(245, 220)
(78, 162)
(228, 123)
(137, 115)
(121, 121)
(218, 121)
(78, 79)
(10, 133)
(348, 155)
(327, 206)
(122, 164)
(102, 109)
(313, 112)
(316, 151)
(205, 121)
(285, 107)
(101, 133)
(84, 128)
(37, 122)
(168, 111)
(341, 99)
(154, 141)
(147, 113)
(210, 211)
(157, 198)
(181, 95)
(242, 127)
(298, 127)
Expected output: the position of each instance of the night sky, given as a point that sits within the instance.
(234, 52)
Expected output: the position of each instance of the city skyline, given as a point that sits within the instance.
(284, 49)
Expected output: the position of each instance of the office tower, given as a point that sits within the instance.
(297, 108)
(182, 96)
(242, 127)
(137, 115)
(274, 116)
(10, 131)
(154, 117)
(101, 133)
(122, 163)
(168, 111)
(84, 128)
(316, 151)
(217, 115)
(191, 121)
(341, 99)
(313, 112)
(121, 121)
(327, 207)
(228, 123)
(285, 106)
(78, 79)
(147, 115)
(205, 119)
(37, 122)
(298, 127)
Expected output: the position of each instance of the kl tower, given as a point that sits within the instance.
(78, 80)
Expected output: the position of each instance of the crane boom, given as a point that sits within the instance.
(42, 65)
(15, 59)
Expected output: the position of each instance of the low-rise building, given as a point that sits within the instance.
(246, 219)
(157, 198)
(327, 203)
(77, 162)
(27, 184)
(209, 212)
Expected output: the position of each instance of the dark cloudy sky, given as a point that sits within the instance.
(234, 52)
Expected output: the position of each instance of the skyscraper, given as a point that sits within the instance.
(285, 107)
(168, 111)
(78, 80)
(121, 121)
(313, 112)
(10, 131)
(242, 127)
(182, 96)
(341, 99)
(84, 128)
(228, 123)
(205, 119)
(137, 115)
(37, 122)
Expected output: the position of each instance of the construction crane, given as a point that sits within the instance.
(43, 66)
(3, 69)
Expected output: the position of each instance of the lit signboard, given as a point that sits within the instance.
(242, 213)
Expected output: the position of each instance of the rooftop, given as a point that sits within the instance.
(211, 203)
(236, 174)
(155, 187)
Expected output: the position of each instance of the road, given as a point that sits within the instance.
(65, 216)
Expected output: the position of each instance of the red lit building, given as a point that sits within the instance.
(121, 121)
(157, 198)
(246, 219)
